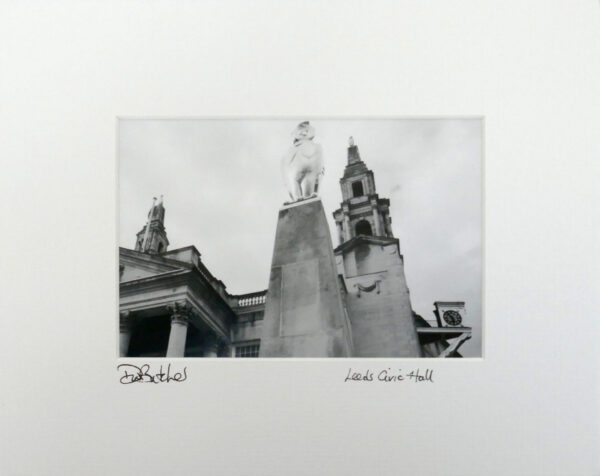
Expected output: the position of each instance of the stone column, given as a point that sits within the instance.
(347, 226)
(124, 333)
(180, 318)
(376, 218)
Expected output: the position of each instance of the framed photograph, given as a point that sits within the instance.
(275, 237)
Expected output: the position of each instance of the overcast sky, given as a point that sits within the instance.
(222, 188)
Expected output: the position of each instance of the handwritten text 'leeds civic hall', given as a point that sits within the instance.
(390, 375)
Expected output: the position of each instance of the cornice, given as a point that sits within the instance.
(375, 240)
(179, 276)
(159, 259)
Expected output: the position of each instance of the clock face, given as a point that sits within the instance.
(452, 318)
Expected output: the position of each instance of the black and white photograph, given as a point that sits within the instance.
(300, 238)
(272, 237)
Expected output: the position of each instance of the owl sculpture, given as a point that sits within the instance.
(302, 165)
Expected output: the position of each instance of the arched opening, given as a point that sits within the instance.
(363, 228)
(160, 247)
(357, 189)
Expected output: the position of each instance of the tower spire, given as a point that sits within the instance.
(153, 237)
(147, 232)
(362, 212)
(353, 154)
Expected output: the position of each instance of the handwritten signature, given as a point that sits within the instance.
(389, 375)
(142, 374)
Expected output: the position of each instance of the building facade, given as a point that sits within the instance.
(172, 306)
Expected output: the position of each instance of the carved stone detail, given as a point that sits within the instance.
(181, 312)
(367, 289)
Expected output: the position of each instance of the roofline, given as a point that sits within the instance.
(252, 294)
(189, 271)
(183, 249)
(159, 256)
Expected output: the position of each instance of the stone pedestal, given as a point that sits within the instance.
(304, 314)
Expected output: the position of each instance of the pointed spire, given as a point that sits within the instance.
(158, 212)
(144, 245)
(355, 165)
(353, 154)
(153, 237)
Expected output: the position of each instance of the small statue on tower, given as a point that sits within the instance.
(302, 165)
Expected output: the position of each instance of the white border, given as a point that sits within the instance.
(69, 68)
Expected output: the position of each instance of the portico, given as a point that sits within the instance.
(170, 307)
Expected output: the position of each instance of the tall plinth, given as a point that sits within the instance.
(304, 312)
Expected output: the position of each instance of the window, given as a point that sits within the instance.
(357, 189)
(160, 247)
(247, 350)
(363, 228)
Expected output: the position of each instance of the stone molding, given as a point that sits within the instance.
(367, 289)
